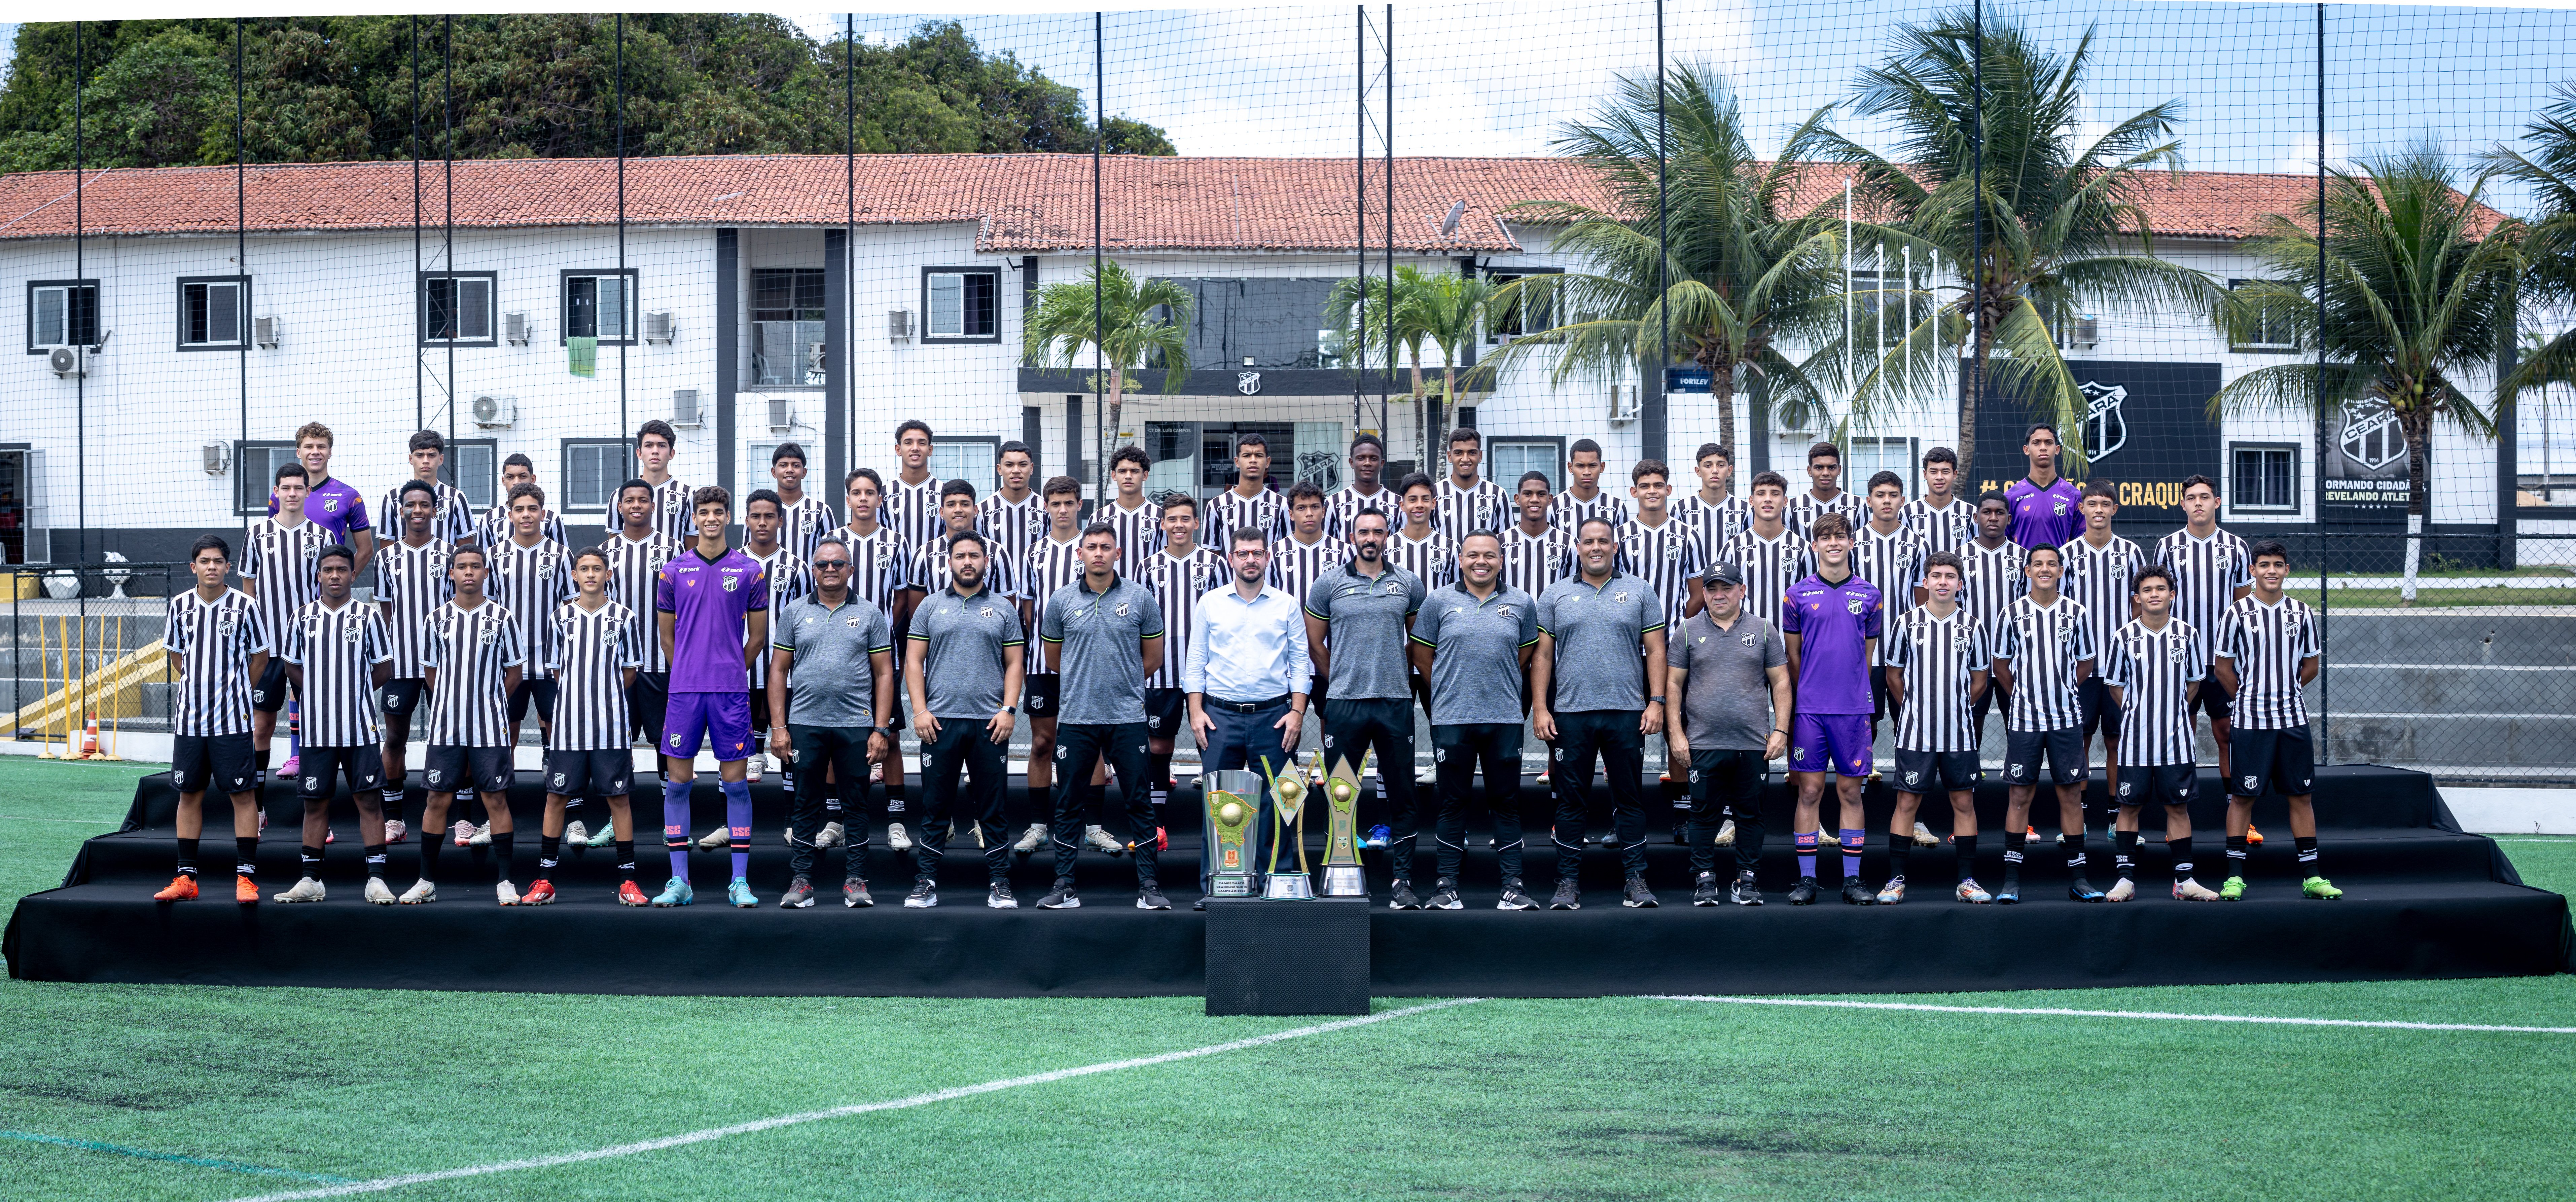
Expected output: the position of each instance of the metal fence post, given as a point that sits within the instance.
(2325, 658)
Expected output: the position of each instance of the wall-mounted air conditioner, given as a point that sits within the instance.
(265, 332)
(1624, 403)
(2088, 331)
(686, 414)
(217, 457)
(69, 362)
(494, 410)
(657, 327)
(782, 414)
(898, 325)
(514, 328)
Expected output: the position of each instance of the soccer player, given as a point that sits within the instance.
(1367, 458)
(1824, 492)
(1889, 554)
(411, 583)
(879, 560)
(1309, 551)
(764, 521)
(1357, 618)
(1054, 562)
(912, 500)
(1535, 553)
(472, 666)
(1727, 705)
(831, 684)
(1832, 620)
(2154, 664)
(963, 664)
(1014, 515)
(1474, 640)
(278, 557)
(1178, 575)
(531, 575)
(2267, 651)
(1250, 503)
(803, 519)
(1936, 666)
(2046, 507)
(1139, 522)
(337, 653)
(1715, 508)
(655, 445)
(1466, 503)
(595, 647)
(1590, 701)
(713, 607)
(217, 644)
(332, 503)
(1418, 546)
(1993, 566)
(2043, 653)
(1658, 548)
(515, 471)
(2099, 568)
(454, 516)
(636, 553)
(2209, 570)
(1939, 515)
(1100, 633)
(1246, 675)
(1772, 555)
(1583, 499)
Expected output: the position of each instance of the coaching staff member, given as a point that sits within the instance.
(1246, 674)
(1358, 616)
(1473, 642)
(962, 664)
(831, 666)
(1600, 640)
(1100, 631)
(1726, 714)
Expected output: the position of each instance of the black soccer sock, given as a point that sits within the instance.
(2307, 845)
(2236, 855)
(2014, 841)
(2124, 853)
(375, 861)
(501, 856)
(1158, 786)
(312, 861)
(2072, 844)
(1967, 846)
(188, 858)
(894, 802)
(2181, 849)
(1900, 844)
(626, 859)
(548, 848)
(247, 852)
(430, 843)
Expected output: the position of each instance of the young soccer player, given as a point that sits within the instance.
(656, 443)
(337, 653)
(636, 553)
(531, 575)
(1591, 703)
(1772, 555)
(1417, 546)
(332, 503)
(1939, 515)
(278, 557)
(1994, 571)
(879, 561)
(411, 583)
(2043, 654)
(912, 498)
(217, 644)
(1365, 491)
(1464, 501)
(1937, 664)
(1178, 575)
(712, 603)
(1715, 508)
(1535, 553)
(2099, 569)
(2267, 652)
(1824, 493)
(803, 519)
(965, 651)
(1832, 620)
(472, 666)
(496, 528)
(596, 647)
(453, 520)
(1889, 554)
(1012, 518)
(2046, 507)
(764, 520)
(1139, 522)
(2154, 664)
(1054, 561)
(1250, 503)
(2209, 570)
(1583, 499)
(1727, 713)
(1664, 551)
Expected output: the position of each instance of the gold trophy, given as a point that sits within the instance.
(1288, 799)
(1342, 874)
(1233, 802)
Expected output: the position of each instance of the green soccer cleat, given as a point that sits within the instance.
(2233, 890)
(739, 894)
(2318, 888)
(676, 893)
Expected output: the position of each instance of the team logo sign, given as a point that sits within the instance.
(2371, 437)
(353, 634)
(985, 612)
(2250, 783)
(1959, 642)
(1502, 611)
(1913, 778)
(1749, 638)
(559, 780)
(2017, 770)
(2105, 430)
(1248, 383)
(1621, 595)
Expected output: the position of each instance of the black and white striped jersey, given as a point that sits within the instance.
(1464, 511)
(879, 565)
(1994, 580)
(530, 582)
(928, 571)
(1717, 523)
(2207, 572)
(1770, 566)
(1229, 511)
(495, 528)
(214, 641)
(802, 526)
(1177, 582)
(1140, 533)
(1937, 654)
(1893, 562)
(1945, 529)
(454, 521)
(2047, 646)
(590, 651)
(1804, 509)
(1011, 529)
(912, 510)
(1666, 557)
(1296, 566)
(280, 560)
(1434, 559)
(2267, 643)
(1532, 562)
(2099, 578)
(1049, 567)
(472, 649)
(634, 575)
(410, 583)
(1568, 512)
(338, 649)
(2154, 670)
(790, 579)
(671, 513)
(1343, 506)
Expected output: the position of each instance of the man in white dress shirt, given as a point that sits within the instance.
(1246, 676)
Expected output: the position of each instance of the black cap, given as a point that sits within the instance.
(1724, 571)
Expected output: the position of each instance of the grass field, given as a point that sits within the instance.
(143, 1092)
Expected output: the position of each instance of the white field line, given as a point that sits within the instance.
(2157, 1015)
(709, 1134)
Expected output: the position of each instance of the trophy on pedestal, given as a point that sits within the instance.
(1232, 798)
(1342, 874)
(1288, 797)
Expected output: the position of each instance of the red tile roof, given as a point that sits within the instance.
(1021, 203)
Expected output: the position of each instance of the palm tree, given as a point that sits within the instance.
(1359, 309)
(1723, 282)
(2549, 245)
(1453, 318)
(2053, 234)
(1132, 322)
(2419, 279)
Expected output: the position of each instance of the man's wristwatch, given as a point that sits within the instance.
(1654, 701)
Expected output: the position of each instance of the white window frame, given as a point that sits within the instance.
(632, 303)
(1906, 466)
(2238, 498)
(463, 283)
(1552, 449)
(930, 278)
(241, 315)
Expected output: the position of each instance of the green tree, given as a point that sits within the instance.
(1136, 320)
(1359, 309)
(1453, 318)
(2548, 169)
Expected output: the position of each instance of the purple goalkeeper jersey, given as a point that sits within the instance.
(2051, 516)
(710, 603)
(335, 506)
(1834, 623)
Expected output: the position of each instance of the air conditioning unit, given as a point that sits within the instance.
(69, 362)
(265, 330)
(217, 456)
(657, 327)
(898, 325)
(514, 328)
(782, 414)
(2088, 331)
(491, 409)
(685, 411)
(1624, 403)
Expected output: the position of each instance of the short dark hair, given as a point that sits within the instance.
(1890, 479)
(1648, 467)
(428, 440)
(1945, 559)
(519, 460)
(1013, 445)
(2157, 570)
(1252, 438)
(291, 468)
(956, 488)
(1590, 522)
(2099, 487)
(2197, 478)
(1303, 490)
(335, 551)
(1480, 532)
(1774, 479)
(868, 474)
(2036, 427)
(2269, 546)
(1940, 455)
(759, 495)
(1247, 534)
(969, 536)
(1580, 446)
(598, 551)
(412, 486)
(465, 550)
(1707, 449)
(1541, 477)
(787, 450)
(710, 495)
(1993, 497)
(1131, 452)
(656, 426)
(525, 488)
(1466, 434)
(1828, 524)
(1413, 480)
(1101, 528)
(1371, 511)
(210, 542)
(1060, 485)
(911, 424)
(1368, 440)
(1177, 497)
(2051, 548)
(635, 483)
(1824, 450)
(830, 539)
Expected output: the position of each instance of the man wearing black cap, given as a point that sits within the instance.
(1727, 716)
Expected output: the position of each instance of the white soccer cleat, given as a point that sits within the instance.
(1923, 836)
(464, 832)
(2188, 889)
(305, 890)
(716, 840)
(507, 892)
(378, 892)
(395, 830)
(833, 835)
(1726, 834)
(2121, 890)
(751, 767)
(1031, 838)
(482, 836)
(420, 893)
(1097, 839)
(575, 832)
(897, 838)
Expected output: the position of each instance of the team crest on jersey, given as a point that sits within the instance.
(2060, 507)
(490, 636)
(1502, 611)
(1855, 605)
(1673, 551)
(1959, 642)
(330, 504)
(852, 621)
(312, 550)
(353, 634)
(984, 612)
(2180, 652)
(1913, 778)
(1750, 638)
(1620, 596)
(2250, 783)
(559, 780)
(1121, 611)
(2016, 770)
(731, 583)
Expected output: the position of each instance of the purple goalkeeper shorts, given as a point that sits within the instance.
(1836, 743)
(725, 719)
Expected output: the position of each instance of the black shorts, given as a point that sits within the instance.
(1924, 773)
(1040, 695)
(540, 691)
(2212, 700)
(483, 769)
(2065, 749)
(760, 710)
(2282, 760)
(401, 697)
(198, 762)
(364, 766)
(269, 695)
(1166, 712)
(589, 773)
(2100, 713)
(2159, 784)
(648, 700)
(891, 707)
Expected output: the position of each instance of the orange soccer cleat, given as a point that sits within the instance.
(182, 888)
(631, 894)
(245, 891)
(2253, 838)
(539, 894)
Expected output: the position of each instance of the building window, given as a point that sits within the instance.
(471, 467)
(961, 304)
(456, 309)
(61, 313)
(592, 470)
(1870, 456)
(967, 459)
(255, 467)
(2263, 478)
(600, 304)
(2262, 332)
(1530, 312)
(787, 342)
(1509, 459)
(214, 315)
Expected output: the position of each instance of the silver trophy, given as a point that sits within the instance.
(1288, 797)
(1232, 800)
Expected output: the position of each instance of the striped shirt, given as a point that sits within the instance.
(1229, 511)
(928, 570)
(1937, 655)
(214, 641)
(530, 582)
(1433, 560)
(1050, 566)
(2099, 577)
(1296, 566)
(911, 510)
(1893, 562)
(2047, 646)
(1140, 533)
(1666, 557)
(1804, 509)
(2267, 643)
(2207, 572)
(2154, 670)
(495, 528)
(338, 649)
(878, 565)
(1568, 512)
(790, 579)
(1994, 580)
(280, 560)
(590, 650)
(1717, 523)
(671, 513)
(1532, 562)
(802, 526)
(1013, 529)
(453, 521)
(1343, 506)
(1945, 529)
(1177, 583)
(472, 649)
(635, 571)
(410, 583)
(1770, 567)
(1460, 512)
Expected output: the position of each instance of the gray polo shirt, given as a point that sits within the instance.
(1101, 633)
(1600, 641)
(1726, 698)
(1476, 652)
(961, 667)
(1364, 630)
(830, 682)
